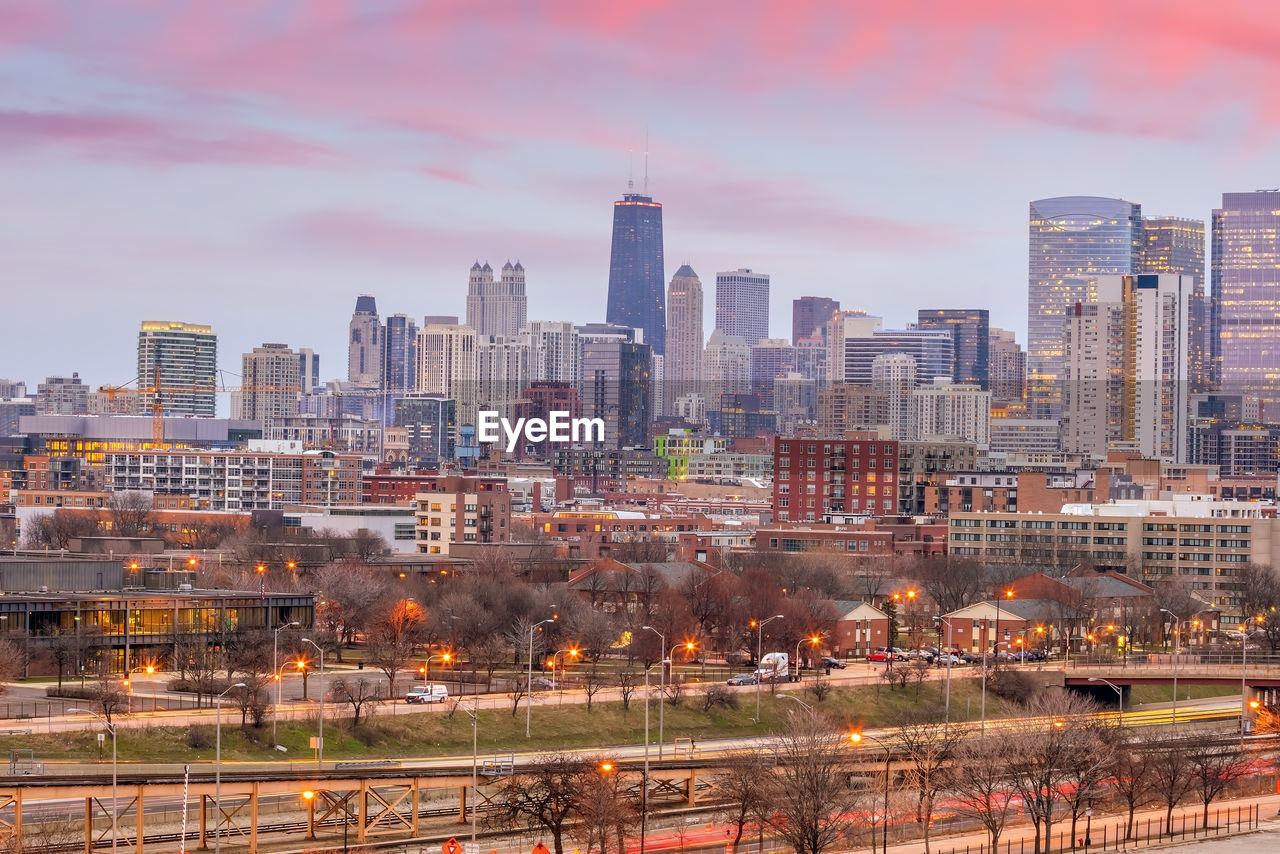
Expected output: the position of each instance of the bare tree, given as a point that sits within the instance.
(1168, 768)
(718, 696)
(251, 698)
(394, 637)
(12, 661)
(604, 810)
(1129, 767)
(1214, 764)
(982, 787)
(110, 699)
(360, 693)
(627, 681)
(930, 748)
(592, 680)
(1039, 762)
(811, 793)
(545, 795)
(743, 784)
(130, 513)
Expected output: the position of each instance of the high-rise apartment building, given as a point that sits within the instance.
(950, 410)
(933, 350)
(62, 396)
(501, 372)
(850, 474)
(894, 375)
(726, 367)
(1007, 367)
(1073, 240)
(636, 272)
(682, 364)
(400, 354)
(1125, 382)
(809, 316)
(496, 308)
(447, 366)
(1245, 277)
(269, 385)
(554, 353)
(742, 304)
(842, 407)
(970, 330)
(452, 509)
(616, 383)
(771, 358)
(1176, 245)
(364, 345)
(183, 359)
(308, 370)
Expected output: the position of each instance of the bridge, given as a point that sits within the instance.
(1258, 673)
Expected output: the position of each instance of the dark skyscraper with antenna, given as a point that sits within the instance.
(636, 277)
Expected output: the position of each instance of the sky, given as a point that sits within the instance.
(257, 165)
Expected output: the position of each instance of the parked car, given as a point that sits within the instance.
(541, 683)
(947, 658)
(433, 693)
(828, 661)
(884, 653)
(920, 654)
(743, 679)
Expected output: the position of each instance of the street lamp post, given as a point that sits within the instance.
(1119, 695)
(814, 641)
(528, 700)
(1177, 643)
(573, 653)
(662, 685)
(856, 738)
(128, 683)
(320, 738)
(644, 792)
(760, 624)
(946, 714)
(115, 809)
(275, 668)
(982, 727)
(217, 773)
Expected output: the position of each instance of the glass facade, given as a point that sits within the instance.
(971, 331)
(1246, 293)
(1175, 245)
(1073, 240)
(636, 274)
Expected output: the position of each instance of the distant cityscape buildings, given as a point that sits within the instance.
(742, 304)
(177, 368)
(636, 273)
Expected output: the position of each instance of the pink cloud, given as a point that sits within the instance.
(450, 173)
(137, 138)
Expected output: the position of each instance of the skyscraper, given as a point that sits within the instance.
(1126, 368)
(742, 304)
(1073, 240)
(894, 375)
(636, 271)
(682, 365)
(1007, 367)
(62, 396)
(933, 349)
(809, 316)
(496, 308)
(400, 354)
(616, 383)
(970, 329)
(308, 369)
(364, 345)
(1175, 245)
(183, 357)
(269, 385)
(726, 367)
(447, 366)
(1246, 290)
(554, 351)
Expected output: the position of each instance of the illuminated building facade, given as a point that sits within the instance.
(1176, 245)
(1073, 240)
(1246, 294)
(636, 272)
(183, 358)
(971, 332)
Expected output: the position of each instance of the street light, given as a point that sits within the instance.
(982, 727)
(115, 809)
(149, 669)
(275, 667)
(425, 669)
(320, 741)
(1119, 695)
(1177, 645)
(217, 774)
(1244, 688)
(573, 653)
(662, 685)
(760, 624)
(950, 640)
(857, 738)
(815, 640)
(528, 705)
(644, 792)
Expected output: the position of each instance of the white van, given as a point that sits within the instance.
(432, 693)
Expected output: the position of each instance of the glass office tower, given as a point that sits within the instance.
(636, 277)
(1245, 276)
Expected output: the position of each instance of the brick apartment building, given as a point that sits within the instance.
(816, 476)
(462, 509)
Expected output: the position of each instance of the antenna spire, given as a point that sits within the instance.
(631, 169)
(646, 161)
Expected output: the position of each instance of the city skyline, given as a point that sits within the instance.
(220, 173)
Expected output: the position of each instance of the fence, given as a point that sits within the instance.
(1146, 831)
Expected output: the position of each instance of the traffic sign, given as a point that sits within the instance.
(540, 849)
(451, 847)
